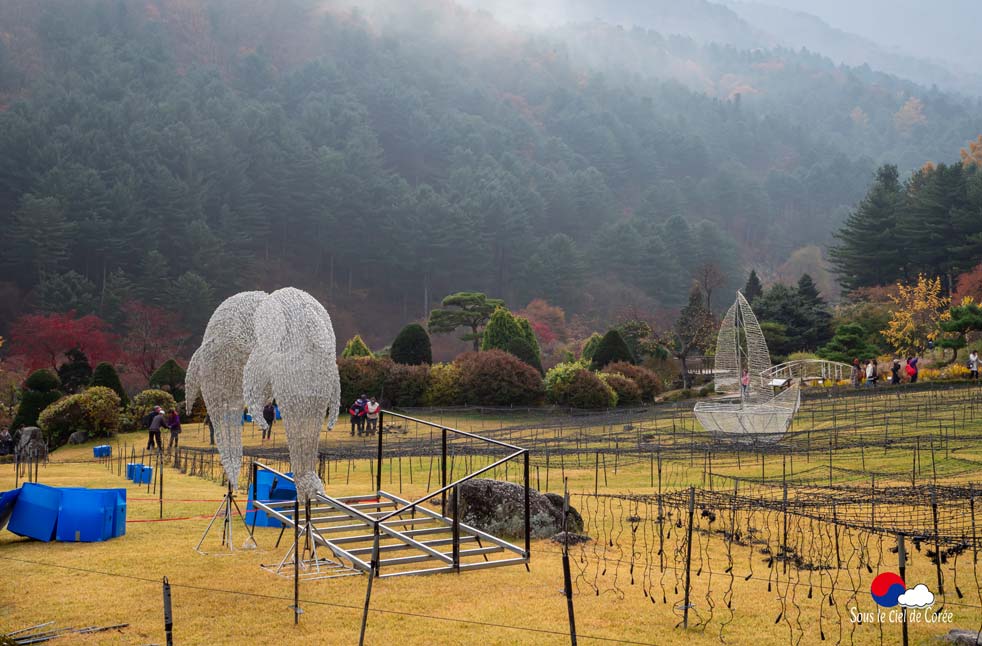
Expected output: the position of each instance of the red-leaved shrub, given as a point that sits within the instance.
(496, 378)
(647, 381)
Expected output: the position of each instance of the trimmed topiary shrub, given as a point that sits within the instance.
(95, 410)
(105, 375)
(628, 393)
(612, 348)
(356, 347)
(412, 346)
(496, 378)
(529, 335)
(76, 373)
(41, 389)
(590, 347)
(365, 375)
(501, 328)
(587, 390)
(169, 377)
(444, 385)
(405, 385)
(559, 378)
(648, 383)
(520, 348)
(143, 403)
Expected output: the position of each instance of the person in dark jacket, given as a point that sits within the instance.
(357, 412)
(173, 422)
(155, 425)
(895, 372)
(269, 415)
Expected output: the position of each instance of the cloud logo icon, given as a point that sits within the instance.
(917, 597)
(887, 588)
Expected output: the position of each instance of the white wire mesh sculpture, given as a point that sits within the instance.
(216, 370)
(294, 361)
(754, 412)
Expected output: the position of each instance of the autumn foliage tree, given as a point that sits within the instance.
(43, 339)
(693, 330)
(919, 309)
(152, 336)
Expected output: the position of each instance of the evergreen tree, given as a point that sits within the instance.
(820, 327)
(611, 348)
(519, 347)
(590, 347)
(412, 346)
(501, 328)
(848, 343)
(76, 373)
(529, 335)
(753, 288)
(169, 377)
(105, 375)
(65, 292)
(356, 347)
(869, 250)
(464, 309)
(964, 319)
(41, 389)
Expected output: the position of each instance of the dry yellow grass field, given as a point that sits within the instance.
(231, 600)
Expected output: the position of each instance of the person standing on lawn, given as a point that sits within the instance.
(173, 422)
(156, 423)
(269, 416)
(973, 364)
(371, 414)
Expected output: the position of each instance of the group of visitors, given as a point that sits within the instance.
(364, 414)
(156, 420)
(867, 372)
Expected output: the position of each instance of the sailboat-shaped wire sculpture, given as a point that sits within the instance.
(749, 411)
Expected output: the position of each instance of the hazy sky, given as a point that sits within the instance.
(944, 29)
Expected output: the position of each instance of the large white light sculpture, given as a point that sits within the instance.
(216, 370)
(294, 361)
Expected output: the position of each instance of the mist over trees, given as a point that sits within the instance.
(172, 153)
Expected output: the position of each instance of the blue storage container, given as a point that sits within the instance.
(7, 501)
(146, 475)
(119, 512)
(137, 473)
(86, 515)
(269, 487)
(35, 514)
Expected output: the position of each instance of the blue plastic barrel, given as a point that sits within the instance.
(146, 475)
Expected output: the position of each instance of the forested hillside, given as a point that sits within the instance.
(174, 152)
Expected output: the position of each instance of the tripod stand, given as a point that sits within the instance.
(225, 512)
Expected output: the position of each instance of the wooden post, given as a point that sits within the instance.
(688, 557)
(902, 570)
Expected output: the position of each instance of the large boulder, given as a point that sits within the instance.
(78, 437)
(962, 637)
(498, 508)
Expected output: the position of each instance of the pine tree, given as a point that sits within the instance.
(105, 375)
(753, 288)
(529, 335)
(872, 227)
(412, 346)
(464, 309)
(848, 343)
